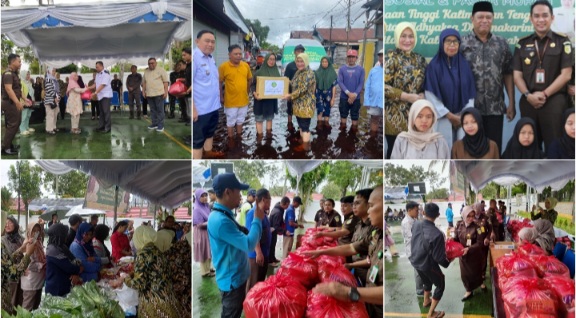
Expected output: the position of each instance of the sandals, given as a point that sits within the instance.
(439, 314)
(208, 275)
(76, 131)
(427, 305)
(52, 132)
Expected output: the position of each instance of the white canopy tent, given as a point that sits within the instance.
(109, 32)
(78, 209)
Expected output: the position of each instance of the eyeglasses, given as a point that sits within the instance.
(452, 42)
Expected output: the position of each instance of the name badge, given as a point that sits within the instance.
(468, 242)
(540, 77)
(373, 274)
(479, 231)
(483, 229)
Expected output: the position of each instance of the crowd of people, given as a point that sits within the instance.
(243, 247)
(20, 92)
(454, 106)
(478, 227)
(76, 254)
(311, 93)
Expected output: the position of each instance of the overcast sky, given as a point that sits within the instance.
(299, 15)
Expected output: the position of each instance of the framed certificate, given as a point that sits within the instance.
(272, 87)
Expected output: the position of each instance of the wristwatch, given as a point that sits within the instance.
(354, 295)
(526, 93)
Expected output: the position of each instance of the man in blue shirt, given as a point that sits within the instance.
(291, 225)
(351, 82)
(450, 215)
(258, 258)
(231, 242)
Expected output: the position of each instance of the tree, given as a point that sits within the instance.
(270, 47)
(332, 191)
(345, 175)
(400, 176)
(6, 199)
(26, 179)
(67, 69)
(309, 182)
(177, 50)
(276, 191)
(69, 185)
(260, 31)
(441, 193)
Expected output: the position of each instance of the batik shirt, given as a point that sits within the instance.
(404, 73)
(490, 62)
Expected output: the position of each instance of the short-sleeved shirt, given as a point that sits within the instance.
(332, 220)
(154, 81)
(116, 85)
(206, 86)
(265, 238)
(349, 224)
(103, 78)
(363, 230)
(290, 216)
(558, 55)
(134, 81)
(372, 245)
(235, 79)
(10, 77)
(490, 61)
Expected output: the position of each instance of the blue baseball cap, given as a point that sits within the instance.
(227, 181)
(252, 192)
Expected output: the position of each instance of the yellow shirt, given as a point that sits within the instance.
(235, 80)
(154, 81)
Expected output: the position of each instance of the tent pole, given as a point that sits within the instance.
(115, 204)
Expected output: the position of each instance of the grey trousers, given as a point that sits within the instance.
(105, 121)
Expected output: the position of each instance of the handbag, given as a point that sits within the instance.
(178, 88)
(87, 95)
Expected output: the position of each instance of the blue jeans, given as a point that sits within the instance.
(26, 113)
(156, 104)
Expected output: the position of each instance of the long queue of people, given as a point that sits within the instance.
(242, 254)
(311, 93)
(478, 227)
(454, 107)
(75, 255)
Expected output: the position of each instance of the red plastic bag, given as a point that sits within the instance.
(515, 265)
(316, 242)
(529, 249)
(531, 298)
(564, 288)
(87, 95)
(338, 273)
(550, 266)
(301, 269)
(323, 306)
(277, 297)
(453, 249)
(178, 88)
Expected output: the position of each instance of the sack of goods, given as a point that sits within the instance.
(323, 306)
(277, 296)
(453, 249)
(531, 297)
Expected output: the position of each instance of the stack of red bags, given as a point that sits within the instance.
(515, 226)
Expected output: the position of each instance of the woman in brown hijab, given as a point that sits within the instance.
(469, 234)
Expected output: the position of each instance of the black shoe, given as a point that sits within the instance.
(15, 147)
(182, 120)
(187, 124)
(105, 131)
(468, 297)
(10, 152)
(99, 129)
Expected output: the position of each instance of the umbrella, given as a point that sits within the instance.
(83, 212)
(59, 210)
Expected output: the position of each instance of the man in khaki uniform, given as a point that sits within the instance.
(11, 105)
(155, 89)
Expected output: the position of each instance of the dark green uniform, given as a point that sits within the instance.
(551, 54)
(13, 115)
(373, 246)
(349, 224)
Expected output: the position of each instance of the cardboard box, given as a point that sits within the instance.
(272, 87)
(499, 249)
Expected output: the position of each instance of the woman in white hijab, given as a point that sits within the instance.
(542, 234)
(51, 100)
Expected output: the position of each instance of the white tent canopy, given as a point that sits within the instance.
(166, 183)
(299, 167)
(110, 32)
(536, 174)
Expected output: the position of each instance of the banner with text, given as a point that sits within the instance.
(100, 198)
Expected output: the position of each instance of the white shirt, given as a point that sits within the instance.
(103, 78)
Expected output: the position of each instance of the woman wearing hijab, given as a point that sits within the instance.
(524, 142)
(62, 267)
(326, 81)
(202, 252)
(264, 109)
(26, 100)
(51, 100)
(563, 147)
(303, 98)
(101, 233)
(548, 213)
(74, 103)
(450, 85)
(403, 82)
(475, 144)
(164, 240)
(180, 262)
(542, 234)
(83, 249)
(13, 241)
(152, 279)
(469, 234)
(13, 266)
(421, 141)
(120, 242)
(32, 280)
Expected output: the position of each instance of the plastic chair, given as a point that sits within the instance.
(125, 97)
(559, 250)
(569, 261)
(116, 101)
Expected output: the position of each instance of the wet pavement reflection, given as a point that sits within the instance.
(327, 142)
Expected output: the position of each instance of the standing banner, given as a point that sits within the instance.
(100, 198)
